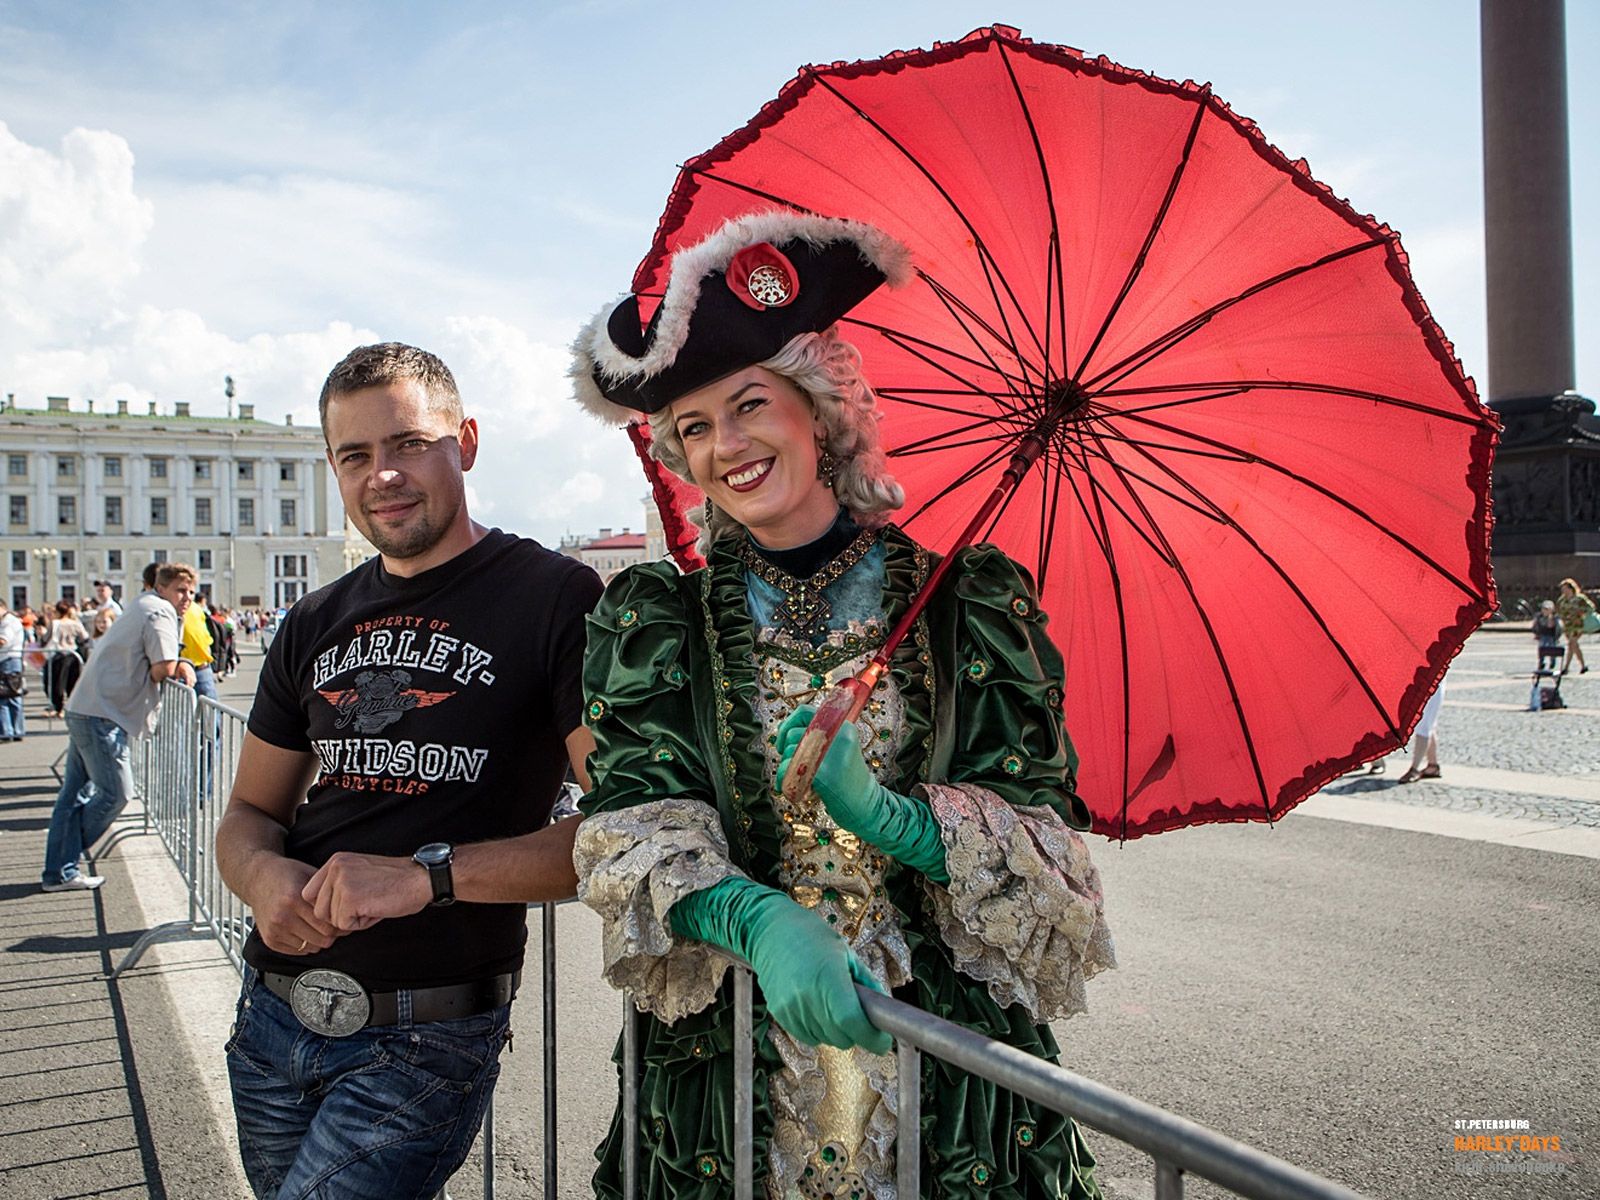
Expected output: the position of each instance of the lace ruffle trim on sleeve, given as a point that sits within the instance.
(633, 865)
(1023, 912)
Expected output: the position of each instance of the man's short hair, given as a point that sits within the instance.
(149, 576)
(392, 362)
(167, 572)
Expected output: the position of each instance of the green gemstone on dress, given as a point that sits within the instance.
(1021, 607)
(884, 735)
(628, 618)
(830, 894)
(828, 866)
(829, 1154)
(1011, 764)
(833, 918)
(980, 1175)
(597, 709)
(823, 837)
(1024, 1135)
(664, 755)
(708, 1166)
(675, 675)
(977, 668)
(817, 681)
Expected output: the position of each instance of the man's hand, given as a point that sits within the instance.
(356, 891)
(185, 673)
(287, 921)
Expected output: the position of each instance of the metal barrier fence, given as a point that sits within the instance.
(185, 774)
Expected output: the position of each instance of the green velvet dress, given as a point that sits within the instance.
(687, 679)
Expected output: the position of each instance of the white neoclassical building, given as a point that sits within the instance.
(96, 494)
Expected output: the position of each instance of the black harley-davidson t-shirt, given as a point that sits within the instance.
(437, 707)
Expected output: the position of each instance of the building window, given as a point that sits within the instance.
(111, 464)
(286, 470)
(247, 514)
(66, 466)
(19, 597)
(202, 468)
(19, 560)
(203, 559)
(158, 556)
(113, 560)
(286, 516)
(17, 466)
(202, 511)
(158, 468)
(247, 469)
(19, 510)
(291, 582)
(69, 562)
(66, 510)
(113, 510)
(69, 593)
(158, 510)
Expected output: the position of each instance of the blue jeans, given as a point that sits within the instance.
(97, 753)
(387, 1113)
(11, 707)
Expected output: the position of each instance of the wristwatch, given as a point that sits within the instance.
(436, 858)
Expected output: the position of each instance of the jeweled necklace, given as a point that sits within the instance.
(804, 611)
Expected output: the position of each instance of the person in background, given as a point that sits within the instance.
(1425, 740)
(103, 599)
(1577, 613)
(1547, 635)
(65, 652)
(12, 680)
(197, 643)
(116, 700)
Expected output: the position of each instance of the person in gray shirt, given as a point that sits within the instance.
(115, 700)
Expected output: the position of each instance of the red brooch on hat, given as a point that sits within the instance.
(762, 277)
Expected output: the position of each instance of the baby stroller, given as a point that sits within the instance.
(1546, 692)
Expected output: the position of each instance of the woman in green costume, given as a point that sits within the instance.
(935, 857)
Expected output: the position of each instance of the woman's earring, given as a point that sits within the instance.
(706, 513)
(827, 465)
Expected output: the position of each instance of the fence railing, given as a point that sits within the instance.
(186, 772)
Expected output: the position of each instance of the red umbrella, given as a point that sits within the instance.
(1260, 515)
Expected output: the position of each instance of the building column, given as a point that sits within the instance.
(136, 506)
(44, 465)
(182, 516)
(93, 518)
(1527, 199)
(307, 471)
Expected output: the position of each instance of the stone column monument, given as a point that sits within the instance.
(1547, 473)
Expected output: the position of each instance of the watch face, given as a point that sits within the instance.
(433, 854)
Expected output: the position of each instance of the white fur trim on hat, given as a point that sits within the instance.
(584, 388)
(691, 265)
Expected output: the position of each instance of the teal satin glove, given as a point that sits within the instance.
(806, 970)
(901, 827)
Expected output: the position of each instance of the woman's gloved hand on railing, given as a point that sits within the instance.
(901, 827)
(806, 971)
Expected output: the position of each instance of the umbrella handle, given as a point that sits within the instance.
(843, 703)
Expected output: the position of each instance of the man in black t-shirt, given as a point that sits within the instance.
(427, 727)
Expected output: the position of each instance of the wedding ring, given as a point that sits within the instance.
(303, 944)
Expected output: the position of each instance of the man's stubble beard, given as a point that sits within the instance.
(411, 542)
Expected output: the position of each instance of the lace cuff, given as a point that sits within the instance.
(1023, 912)
(633, 865)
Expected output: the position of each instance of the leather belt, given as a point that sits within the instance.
(335, 1004)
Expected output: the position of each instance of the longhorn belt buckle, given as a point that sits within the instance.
(329, 1002)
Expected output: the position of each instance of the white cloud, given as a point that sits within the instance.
(71, 229)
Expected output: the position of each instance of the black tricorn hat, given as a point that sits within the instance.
(732, 300)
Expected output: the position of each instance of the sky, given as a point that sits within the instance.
(190, 190)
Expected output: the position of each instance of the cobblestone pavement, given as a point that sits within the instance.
(1486, 723)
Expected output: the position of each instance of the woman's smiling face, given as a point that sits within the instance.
(751, 443)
